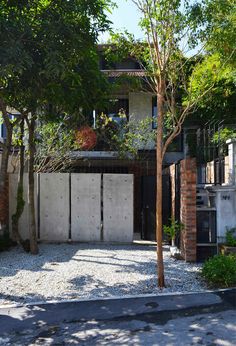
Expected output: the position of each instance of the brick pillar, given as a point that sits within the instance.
(188, 209)
(4, 207)
(172, 184)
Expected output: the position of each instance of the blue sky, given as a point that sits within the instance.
(125, 16)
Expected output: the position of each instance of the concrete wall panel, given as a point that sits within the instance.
(54, 207)
(118, 207)
(85, 207)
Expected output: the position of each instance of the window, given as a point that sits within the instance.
(125, 64)
(3, 130)
(154, 112)
(177, 144)
(117, 106)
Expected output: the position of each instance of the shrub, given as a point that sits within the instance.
(220, 271)
(230, 237)
(173, 229)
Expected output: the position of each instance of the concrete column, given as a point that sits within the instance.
(225, 202)
(232, 161)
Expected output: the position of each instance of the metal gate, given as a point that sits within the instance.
(148, 198)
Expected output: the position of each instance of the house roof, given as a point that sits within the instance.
(130, 73)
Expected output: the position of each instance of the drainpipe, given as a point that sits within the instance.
(94, 119)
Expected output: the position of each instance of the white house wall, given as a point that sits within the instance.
(140, 108)
(140, 105)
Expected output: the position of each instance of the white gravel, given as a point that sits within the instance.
(74, 271)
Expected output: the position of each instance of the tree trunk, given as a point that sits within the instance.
(20, 203)
(4, 167)
(160, 117)
(32, 222)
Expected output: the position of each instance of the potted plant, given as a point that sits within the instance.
(171, 231)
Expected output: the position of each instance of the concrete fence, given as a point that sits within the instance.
(78, 207)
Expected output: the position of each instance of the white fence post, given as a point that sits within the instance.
(232, 161)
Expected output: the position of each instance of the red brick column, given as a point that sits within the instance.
(188, 209)
(172, 184)
(4, 206)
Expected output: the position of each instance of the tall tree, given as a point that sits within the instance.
(55, 42)
(167, 26)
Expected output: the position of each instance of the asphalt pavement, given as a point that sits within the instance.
(203, 318)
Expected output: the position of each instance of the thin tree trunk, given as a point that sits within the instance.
(32, 221)
(4, 165)
(20, 193)
(160, 117)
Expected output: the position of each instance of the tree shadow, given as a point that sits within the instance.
(128, 274)
(130, 322)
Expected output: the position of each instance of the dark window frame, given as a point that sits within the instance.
(154, 116)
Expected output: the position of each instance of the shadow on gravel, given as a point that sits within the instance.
(107, 290)
(15, 260)
(105, 258)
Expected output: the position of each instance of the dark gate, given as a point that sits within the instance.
(148, 207)
(149, 204)
(177, 191)
(166, 196)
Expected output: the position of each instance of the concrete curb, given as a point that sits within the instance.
(156, 309)
(97, 298)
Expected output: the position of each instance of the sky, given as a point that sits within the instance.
(125, 16)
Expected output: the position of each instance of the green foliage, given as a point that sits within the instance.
(124, 137)
(136, 135)
(220, 137)
(231, 237)
(55, 141)
(173, 229)
(217, 22)
(212, 84)
(220, 271)
(48, 53)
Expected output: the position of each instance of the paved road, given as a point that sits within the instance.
(195, 319)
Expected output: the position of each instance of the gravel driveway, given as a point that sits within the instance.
(74, 271)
